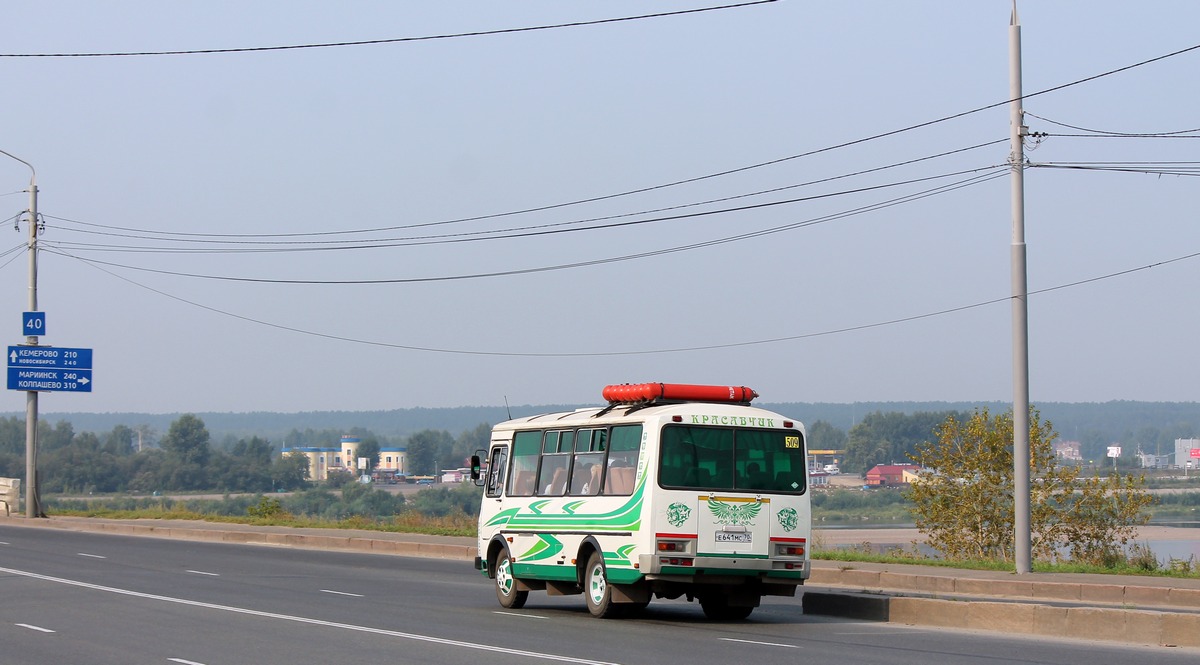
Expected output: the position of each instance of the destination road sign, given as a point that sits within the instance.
(49, 357)
(40, 379)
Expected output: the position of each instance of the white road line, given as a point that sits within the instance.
(3, 543)
(342, 593)
(201, 572)
(91, 556)
(765, 644)
(518, 615)
(305, 620)
(184, 662)
(37, 628)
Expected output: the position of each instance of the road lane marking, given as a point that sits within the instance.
(342, 593)
(519, 615)
(765, 644)
(37, 628)
(417, 637)
(201, 572)
(91, 556)
(184, 662)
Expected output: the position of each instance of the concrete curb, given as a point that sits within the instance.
(1088, 623)
(281, 538)
(1130, 595)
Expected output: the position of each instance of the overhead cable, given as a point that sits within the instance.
(477, 236)
(709, 347)
(187, 237)
(997, 172)
(396, 40)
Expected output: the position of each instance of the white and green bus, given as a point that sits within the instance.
(670, 490)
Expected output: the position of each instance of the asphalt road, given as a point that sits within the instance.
(72, 597)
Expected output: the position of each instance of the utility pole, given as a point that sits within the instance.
(1020, 306)
(32, 504)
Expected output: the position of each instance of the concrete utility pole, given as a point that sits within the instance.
(32, 507)
(1020, 306)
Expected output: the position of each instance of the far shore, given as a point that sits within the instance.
(906, 535)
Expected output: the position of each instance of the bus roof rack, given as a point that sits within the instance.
(649, 393)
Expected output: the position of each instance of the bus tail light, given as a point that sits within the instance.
(795, 548)
(683, 544)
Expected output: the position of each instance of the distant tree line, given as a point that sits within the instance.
(185, 458)
(892, 437)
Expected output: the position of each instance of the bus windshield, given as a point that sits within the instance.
(731, 459)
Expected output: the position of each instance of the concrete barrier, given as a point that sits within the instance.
(1088, 623)
(10, 494)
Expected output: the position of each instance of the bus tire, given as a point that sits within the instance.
(596, 588)
(506, 585)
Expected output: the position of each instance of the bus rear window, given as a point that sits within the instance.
(732, 460)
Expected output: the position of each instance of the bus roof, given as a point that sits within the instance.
(634, 412)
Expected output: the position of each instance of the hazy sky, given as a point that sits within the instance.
(347, 227)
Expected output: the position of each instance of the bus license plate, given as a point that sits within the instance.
(745, 537)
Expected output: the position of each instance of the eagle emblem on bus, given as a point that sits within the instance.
(729, 513)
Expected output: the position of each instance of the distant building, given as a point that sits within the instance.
(1068, 450)
(1152, 461)
(818, 478)
(884, 475)
(1184, 452)
(344, 458)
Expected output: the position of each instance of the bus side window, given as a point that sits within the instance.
(526, 450)
(624, 441)
(497, 468)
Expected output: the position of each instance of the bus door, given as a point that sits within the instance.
(728, 476)
(497, 471)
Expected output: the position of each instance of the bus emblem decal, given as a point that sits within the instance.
(789, 519)
(678, 514)
(728, 513)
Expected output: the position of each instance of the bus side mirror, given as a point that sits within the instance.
(476, 466)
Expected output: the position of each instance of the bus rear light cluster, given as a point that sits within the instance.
(683, 546)
(675, 561)
(794, 548)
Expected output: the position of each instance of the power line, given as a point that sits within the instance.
(995, 173)
(478, 236)
(397, 40)
(780, 160)
(188, 236)
(710, 347)
(1184, 171)
(1111, 133)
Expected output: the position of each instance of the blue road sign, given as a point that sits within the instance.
(40, 379)
(33, 323)
(49, 357)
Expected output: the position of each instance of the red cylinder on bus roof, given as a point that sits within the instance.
(646, 392)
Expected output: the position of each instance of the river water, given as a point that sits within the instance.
(1167, 539)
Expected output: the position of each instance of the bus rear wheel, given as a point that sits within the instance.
(506, 585)
(596, 588)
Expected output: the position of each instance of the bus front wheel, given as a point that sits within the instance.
(597, 589)
(506, 585)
